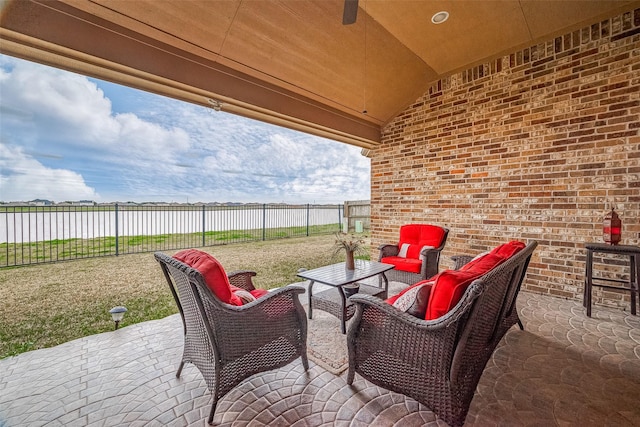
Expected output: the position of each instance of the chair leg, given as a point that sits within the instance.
(180, 369)
(213, 411)
(351, 375)
(520, 325)
(305, 361)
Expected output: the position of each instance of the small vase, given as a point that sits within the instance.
(350, 263)
(351, 290)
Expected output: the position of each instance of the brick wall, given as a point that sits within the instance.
(534, 145)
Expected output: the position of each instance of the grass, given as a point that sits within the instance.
(45, 305)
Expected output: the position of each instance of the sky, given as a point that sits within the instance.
(67, 137)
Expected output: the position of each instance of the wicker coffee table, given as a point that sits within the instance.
(334, 300)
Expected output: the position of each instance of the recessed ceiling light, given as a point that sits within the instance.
(440, 17)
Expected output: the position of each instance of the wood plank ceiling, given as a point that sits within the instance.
(288, 62)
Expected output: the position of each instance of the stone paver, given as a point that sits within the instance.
(564, 369)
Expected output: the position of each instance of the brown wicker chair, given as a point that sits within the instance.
(430, 258)
(437, 362)
(230, 343)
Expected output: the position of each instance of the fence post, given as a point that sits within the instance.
(117, 245)
(264, 221)
(307, 219)
(340, 215)
(204, 223)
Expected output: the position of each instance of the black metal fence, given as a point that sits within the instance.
(40, 234)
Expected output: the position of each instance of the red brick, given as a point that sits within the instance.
(534, 151)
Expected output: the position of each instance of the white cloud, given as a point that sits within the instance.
(24, 178)
(146, 144)
(285, 164)
(71, 112)
(132, 145)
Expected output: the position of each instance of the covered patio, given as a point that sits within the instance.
(507, 120)
(511, 120)
(563, 369)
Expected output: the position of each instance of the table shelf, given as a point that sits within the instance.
(330, 301)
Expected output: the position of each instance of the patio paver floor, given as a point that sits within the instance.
(564, 369)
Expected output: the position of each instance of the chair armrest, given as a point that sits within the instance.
(430, 261)
(382, 335)
(460, 260)
(388, 250)
(380, 330)
(242, 279)
(241, 329)
(285, 298)
(369, 305)
(429, 250)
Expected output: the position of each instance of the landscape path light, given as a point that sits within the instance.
(117, 313)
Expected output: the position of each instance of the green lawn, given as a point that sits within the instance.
(48, 304)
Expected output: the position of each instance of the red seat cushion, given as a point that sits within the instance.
(259, 292)
(248, 296)
(212, 272)
(451, 284)
(404, 264)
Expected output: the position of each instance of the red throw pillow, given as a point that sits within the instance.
(213, 273)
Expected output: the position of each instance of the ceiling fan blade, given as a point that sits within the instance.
(350, 12)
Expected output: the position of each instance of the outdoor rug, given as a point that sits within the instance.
(326, 345)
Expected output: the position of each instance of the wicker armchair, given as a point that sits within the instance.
(429, 257)
(230, 343)
(437, 362)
